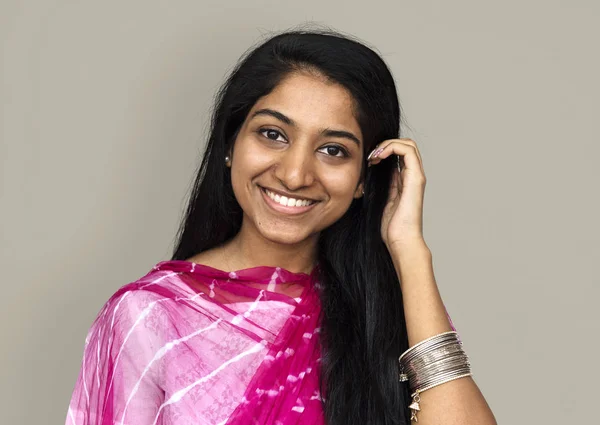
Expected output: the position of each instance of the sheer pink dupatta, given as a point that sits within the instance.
(285, 388)
(189, 344)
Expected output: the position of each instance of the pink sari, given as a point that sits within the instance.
(190, 344)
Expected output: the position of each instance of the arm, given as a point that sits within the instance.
(455, 402)
(118, 380)
(458, 401)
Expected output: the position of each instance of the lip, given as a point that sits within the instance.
(288, 195)
(284, 209)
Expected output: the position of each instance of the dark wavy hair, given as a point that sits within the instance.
(363, 330)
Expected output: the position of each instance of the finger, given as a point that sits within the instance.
(408, 152)
(412, 143)
(371, 159)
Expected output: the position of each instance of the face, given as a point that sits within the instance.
(296, 162)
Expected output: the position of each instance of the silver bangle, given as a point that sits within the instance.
(429, 342)
(432, 362)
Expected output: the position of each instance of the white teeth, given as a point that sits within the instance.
(288, 202)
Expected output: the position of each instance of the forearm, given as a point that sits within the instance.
(455, 402)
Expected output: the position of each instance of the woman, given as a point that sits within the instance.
(300, 275)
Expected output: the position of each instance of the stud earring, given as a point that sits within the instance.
(227, 159)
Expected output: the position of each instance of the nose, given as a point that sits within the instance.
(294, 169)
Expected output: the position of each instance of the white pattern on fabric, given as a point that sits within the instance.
(182, 392)
(184, 344)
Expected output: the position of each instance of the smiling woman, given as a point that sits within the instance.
(301, 143)
(300, 289)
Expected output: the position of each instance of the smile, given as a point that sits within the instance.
(287, 204)
(290, 202)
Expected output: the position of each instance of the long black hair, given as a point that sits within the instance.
(363, 330)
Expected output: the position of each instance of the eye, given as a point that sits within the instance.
(334, 150)
(271, 134)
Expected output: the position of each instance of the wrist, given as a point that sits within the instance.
(416, 247)
(413, 263)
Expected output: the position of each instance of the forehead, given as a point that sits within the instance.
(312, 102)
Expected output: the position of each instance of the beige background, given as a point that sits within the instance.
(103, 114)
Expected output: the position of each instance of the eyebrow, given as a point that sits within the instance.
(287, 120)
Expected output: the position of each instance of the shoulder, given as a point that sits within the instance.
(139, 302)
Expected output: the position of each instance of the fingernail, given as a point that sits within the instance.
(371, 154)
(377, 152)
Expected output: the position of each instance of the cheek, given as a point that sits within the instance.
(249, 161)
(342, 184)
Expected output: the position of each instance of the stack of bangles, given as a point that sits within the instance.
(432, 362)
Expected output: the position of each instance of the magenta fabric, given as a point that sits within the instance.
(190, 344)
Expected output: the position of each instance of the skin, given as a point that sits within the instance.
(295, 159)
(298, 162)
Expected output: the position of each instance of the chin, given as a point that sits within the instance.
(287, 235)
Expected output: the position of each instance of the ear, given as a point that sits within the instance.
(229, 154)
(360, 190)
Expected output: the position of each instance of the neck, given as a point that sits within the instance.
(250, 249)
